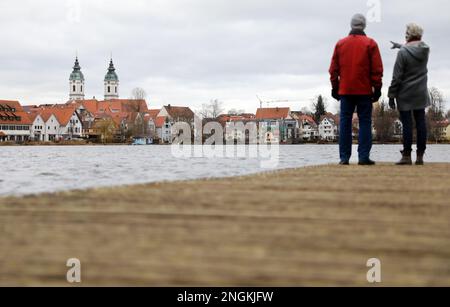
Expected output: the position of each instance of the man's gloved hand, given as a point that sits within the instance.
(396, 45)
(376, 95)
(335, 94)
(392, 103)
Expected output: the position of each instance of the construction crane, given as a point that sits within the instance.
(261, 102)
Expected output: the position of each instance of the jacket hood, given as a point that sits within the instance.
(418, 50)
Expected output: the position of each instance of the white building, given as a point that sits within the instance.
(309, 130)
(52, 128)
(38, 128)
(328, 128)
(279, 124)
(15, 124)
(56, 123)
(163, 129)
(170, 115)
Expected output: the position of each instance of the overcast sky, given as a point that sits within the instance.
(186, 52)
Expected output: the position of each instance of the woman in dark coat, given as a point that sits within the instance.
(409, 89)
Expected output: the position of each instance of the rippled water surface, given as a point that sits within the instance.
(28, 170)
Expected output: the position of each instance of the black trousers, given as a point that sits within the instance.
(421, 127)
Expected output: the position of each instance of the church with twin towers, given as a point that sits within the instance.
(76, 80)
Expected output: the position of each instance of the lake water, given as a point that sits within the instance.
(29, 170)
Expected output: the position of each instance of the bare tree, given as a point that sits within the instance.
(212, 109)
(138, 94)
(384, 122)
(435, 114)
(306, 111)
(235, 112)
(106, 128)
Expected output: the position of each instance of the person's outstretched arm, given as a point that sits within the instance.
(396, 45)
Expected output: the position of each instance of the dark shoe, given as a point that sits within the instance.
(419, 160)
(366, 162)
(406, 158)
(344, 163)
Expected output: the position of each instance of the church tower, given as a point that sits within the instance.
(76, 83)
(111, 83)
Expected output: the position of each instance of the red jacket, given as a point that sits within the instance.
(356, 67)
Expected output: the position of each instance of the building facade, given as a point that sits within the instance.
(279, 124)
(328, 128)
(15, 124)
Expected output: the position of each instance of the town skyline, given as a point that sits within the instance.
(279, 52)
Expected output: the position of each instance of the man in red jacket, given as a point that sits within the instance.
(356, 76)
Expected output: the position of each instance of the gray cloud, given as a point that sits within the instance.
(190, 51)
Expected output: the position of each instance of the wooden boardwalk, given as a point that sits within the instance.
(306, 227)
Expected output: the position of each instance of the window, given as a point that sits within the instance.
(73, 89)
(109, 89)
(81, 88)
(116, 89)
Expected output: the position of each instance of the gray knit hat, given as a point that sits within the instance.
(359, 22)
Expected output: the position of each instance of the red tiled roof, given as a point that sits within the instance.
(179, 112)
(32, 115)
(115, 105)
(118, 119)
(122, 105)
(153, 113)
(334, 118)
(45, 115)
(91, 105)
(235, 118)
(159, 122)
(62, 114)
(11, 112)
(272, 113)
(308, 119)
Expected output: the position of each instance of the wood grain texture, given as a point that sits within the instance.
(304, 227)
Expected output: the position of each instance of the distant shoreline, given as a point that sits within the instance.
(7, 144)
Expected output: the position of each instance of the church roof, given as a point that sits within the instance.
(76, 74)
(111, 74)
